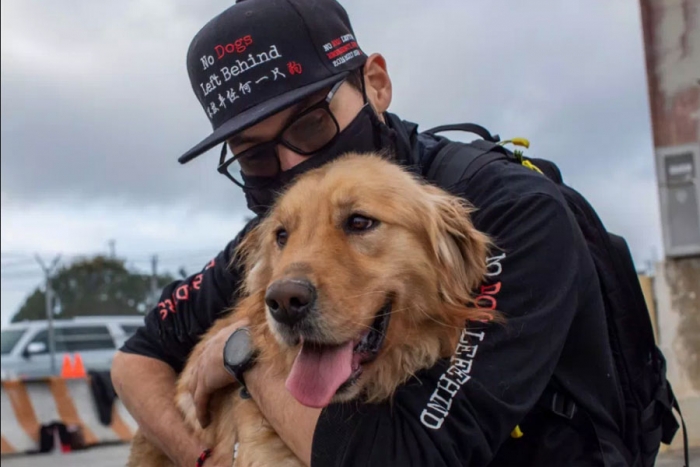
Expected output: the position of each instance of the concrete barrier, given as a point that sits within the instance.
(678, 308)
(27, 405)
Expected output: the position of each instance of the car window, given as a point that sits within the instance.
(80, 338)
(43, 337)
(9, 338)
(77, 339)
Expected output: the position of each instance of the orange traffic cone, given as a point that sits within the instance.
(78, 368)
(67, 368)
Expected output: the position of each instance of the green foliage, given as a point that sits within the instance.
(94, 286)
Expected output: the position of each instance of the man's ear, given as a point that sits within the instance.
(377, 83)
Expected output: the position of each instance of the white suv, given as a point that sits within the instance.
(25, 345)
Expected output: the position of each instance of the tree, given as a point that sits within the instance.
(96, 286)
(34, 307)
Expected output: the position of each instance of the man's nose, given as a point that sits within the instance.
(290, 300)
(288, 158)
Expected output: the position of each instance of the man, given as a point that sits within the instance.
(286, 87)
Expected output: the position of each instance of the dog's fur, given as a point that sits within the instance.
(423, 254)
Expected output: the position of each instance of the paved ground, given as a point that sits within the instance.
(675, 458)
(115, 456)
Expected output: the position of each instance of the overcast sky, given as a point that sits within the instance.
(97, 106)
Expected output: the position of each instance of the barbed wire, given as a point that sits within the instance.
(21, 258)
(164, 255)
(20, 272)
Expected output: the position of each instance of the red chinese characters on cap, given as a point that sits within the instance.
(294, 68)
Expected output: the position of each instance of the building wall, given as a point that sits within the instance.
(647, 284)
(672, 50)
(678, 307)
(671, 33)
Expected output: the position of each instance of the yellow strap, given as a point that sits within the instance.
(517, 142)
(531, 166)
(524, 142)
(516, 433)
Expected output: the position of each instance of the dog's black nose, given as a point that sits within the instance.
(289, 300)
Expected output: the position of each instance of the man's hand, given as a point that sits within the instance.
(209, 373)
(158, 417)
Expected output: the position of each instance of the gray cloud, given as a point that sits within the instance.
(96, 102)
(97, 105)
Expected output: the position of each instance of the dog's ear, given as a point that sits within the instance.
(251, 257)
(460, 249)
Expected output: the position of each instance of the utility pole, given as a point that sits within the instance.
(154, 279)
(112, 248)
(49, 306)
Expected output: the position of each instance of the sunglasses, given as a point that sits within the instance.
(306, 133)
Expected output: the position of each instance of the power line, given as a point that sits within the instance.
(141, 263)
(18, 288)
(175, 255)
(13, 254)
(18, 270)
(145, 256)
(9, 276)
(171, 261)
(17, 262)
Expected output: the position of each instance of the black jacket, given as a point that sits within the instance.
(463, 411)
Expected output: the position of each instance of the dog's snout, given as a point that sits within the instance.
(289, 300)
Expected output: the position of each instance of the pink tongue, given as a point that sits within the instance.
(318, 372)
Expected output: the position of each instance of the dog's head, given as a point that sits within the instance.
(365, 274)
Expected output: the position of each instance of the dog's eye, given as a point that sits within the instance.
(281, 237)
(357, 223)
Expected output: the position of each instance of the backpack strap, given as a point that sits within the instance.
(459, 162)
(669, 425)
(447, 170)
(557, 401)
(685, 431)
(468, 127)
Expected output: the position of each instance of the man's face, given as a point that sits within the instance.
(345, 105)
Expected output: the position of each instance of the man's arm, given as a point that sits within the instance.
(145, 369)
(294, 422)
(158, 417)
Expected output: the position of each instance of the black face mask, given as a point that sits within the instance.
(366, 133)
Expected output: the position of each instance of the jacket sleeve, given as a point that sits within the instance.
(460, 411)
(187, 309)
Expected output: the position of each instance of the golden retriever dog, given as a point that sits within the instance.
(360, 276)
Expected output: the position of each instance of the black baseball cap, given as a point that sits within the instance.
(260, 57)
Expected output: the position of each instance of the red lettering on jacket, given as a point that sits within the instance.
(487, 300)
(197, 281)
(491, 289)
(165, 307)
(182, 293)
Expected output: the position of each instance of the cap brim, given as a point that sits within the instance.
(256, 114)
